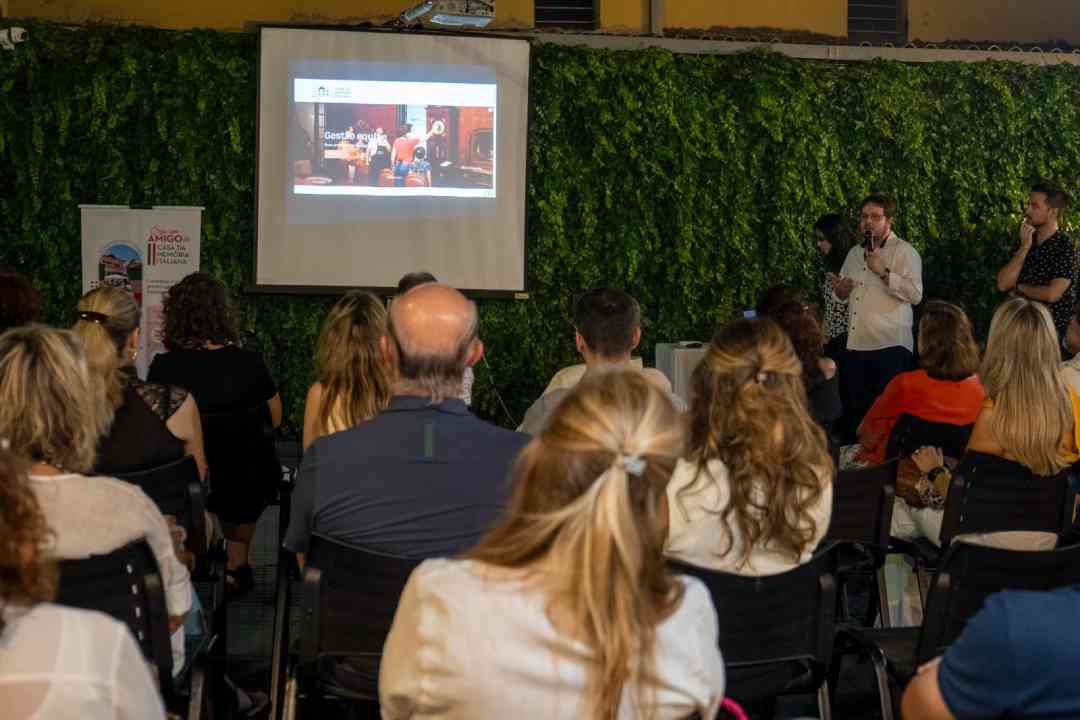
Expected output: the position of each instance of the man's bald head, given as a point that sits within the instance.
(433, 329)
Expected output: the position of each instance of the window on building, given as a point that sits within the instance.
(566, 14)
(877, 21)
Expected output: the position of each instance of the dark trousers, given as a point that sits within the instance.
(863, 378)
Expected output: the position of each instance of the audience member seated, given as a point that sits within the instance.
(607, 328)
(424, 477)
(819, 372)
(415, 279)
(203, 356)
(944, 390)
(1016, 658)
(1071, 368)
(773, 298)
(58, 662)
(1028, 417)
(49, 413)
(20, 302)
(565, 609)
(354, 378)
(150, 425)
(754, 494)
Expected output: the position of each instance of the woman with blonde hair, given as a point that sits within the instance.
(565, 609)
(148, 424)
(55, 660)
(1029, 418)
(354, 379)
(49, 414)
(754, 494)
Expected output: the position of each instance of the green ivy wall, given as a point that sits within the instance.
(692, 181)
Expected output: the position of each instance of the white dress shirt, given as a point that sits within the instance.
(879, 313)
(471, 641)
(698, 535)
(60, 663)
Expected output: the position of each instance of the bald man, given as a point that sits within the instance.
(424, 478)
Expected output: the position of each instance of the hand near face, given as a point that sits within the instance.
(875, 262)
(1027, 235)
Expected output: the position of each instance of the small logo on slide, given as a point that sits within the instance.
(321, 91)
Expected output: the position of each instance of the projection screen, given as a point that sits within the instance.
(385, 153)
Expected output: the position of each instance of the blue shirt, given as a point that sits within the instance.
(417, 480)
(1019, 656)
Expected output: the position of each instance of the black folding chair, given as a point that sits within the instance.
(911, 433)
(126, 584)
(349, 599)
(861, 517)
(991, 494)
(776, 631)
(967, 576)
(177, 490)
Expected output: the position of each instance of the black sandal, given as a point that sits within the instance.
(239, 581)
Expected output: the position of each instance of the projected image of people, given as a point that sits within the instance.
(425, 143)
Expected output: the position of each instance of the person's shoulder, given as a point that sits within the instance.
(500, 436)
(657, 378)
(93, 625)
(696, 606)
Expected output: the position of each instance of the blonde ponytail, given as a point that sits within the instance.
(589, 498)
(105, 318)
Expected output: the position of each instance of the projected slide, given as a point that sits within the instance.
(364, 137)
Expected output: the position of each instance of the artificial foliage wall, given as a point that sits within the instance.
(692, 181)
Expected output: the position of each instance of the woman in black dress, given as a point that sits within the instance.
(150, 424)
(239, 403)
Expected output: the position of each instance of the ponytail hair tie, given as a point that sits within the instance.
(91, 316)
(762, 377)
(632, 464)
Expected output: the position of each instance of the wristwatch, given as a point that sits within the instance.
(934, 472)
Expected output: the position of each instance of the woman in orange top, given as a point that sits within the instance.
(945, 389)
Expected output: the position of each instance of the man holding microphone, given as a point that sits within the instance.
(1042, 267)
(881, 280)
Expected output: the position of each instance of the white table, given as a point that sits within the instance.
(678, 362)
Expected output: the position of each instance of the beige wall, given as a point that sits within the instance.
(225, 15)
(826, 17)
(1035, 21)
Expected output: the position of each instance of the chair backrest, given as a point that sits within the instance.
(911, 432)
(970, 573)
(240, 448)
(124, 584)
(773, 620)
(989, 494)
(350, 596)
(862, 506)
(177, 490)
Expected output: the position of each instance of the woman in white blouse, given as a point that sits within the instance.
(58, 662)
(565, 609)
(48, 414)
(754, 495)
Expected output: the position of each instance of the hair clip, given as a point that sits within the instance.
(632, 464)
(91, 316)
(762, 377)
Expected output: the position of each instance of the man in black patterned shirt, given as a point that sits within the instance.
(1044, 265)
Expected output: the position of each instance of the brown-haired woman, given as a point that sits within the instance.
(56, 661)
(565, 609)
(49, 414)
(754, 494)
(150, 424)
(354, 379)
(204, 356)
(820, 375)
(944, 389)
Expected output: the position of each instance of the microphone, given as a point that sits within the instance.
(868, 241)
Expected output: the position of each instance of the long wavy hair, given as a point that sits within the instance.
(27, 574)
(356, 380)
(104, 319)
(749, 411)
(196, 311)
(799, 321)
(589, 499)
(1021, 372)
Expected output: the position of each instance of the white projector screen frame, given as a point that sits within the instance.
(328, 235)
